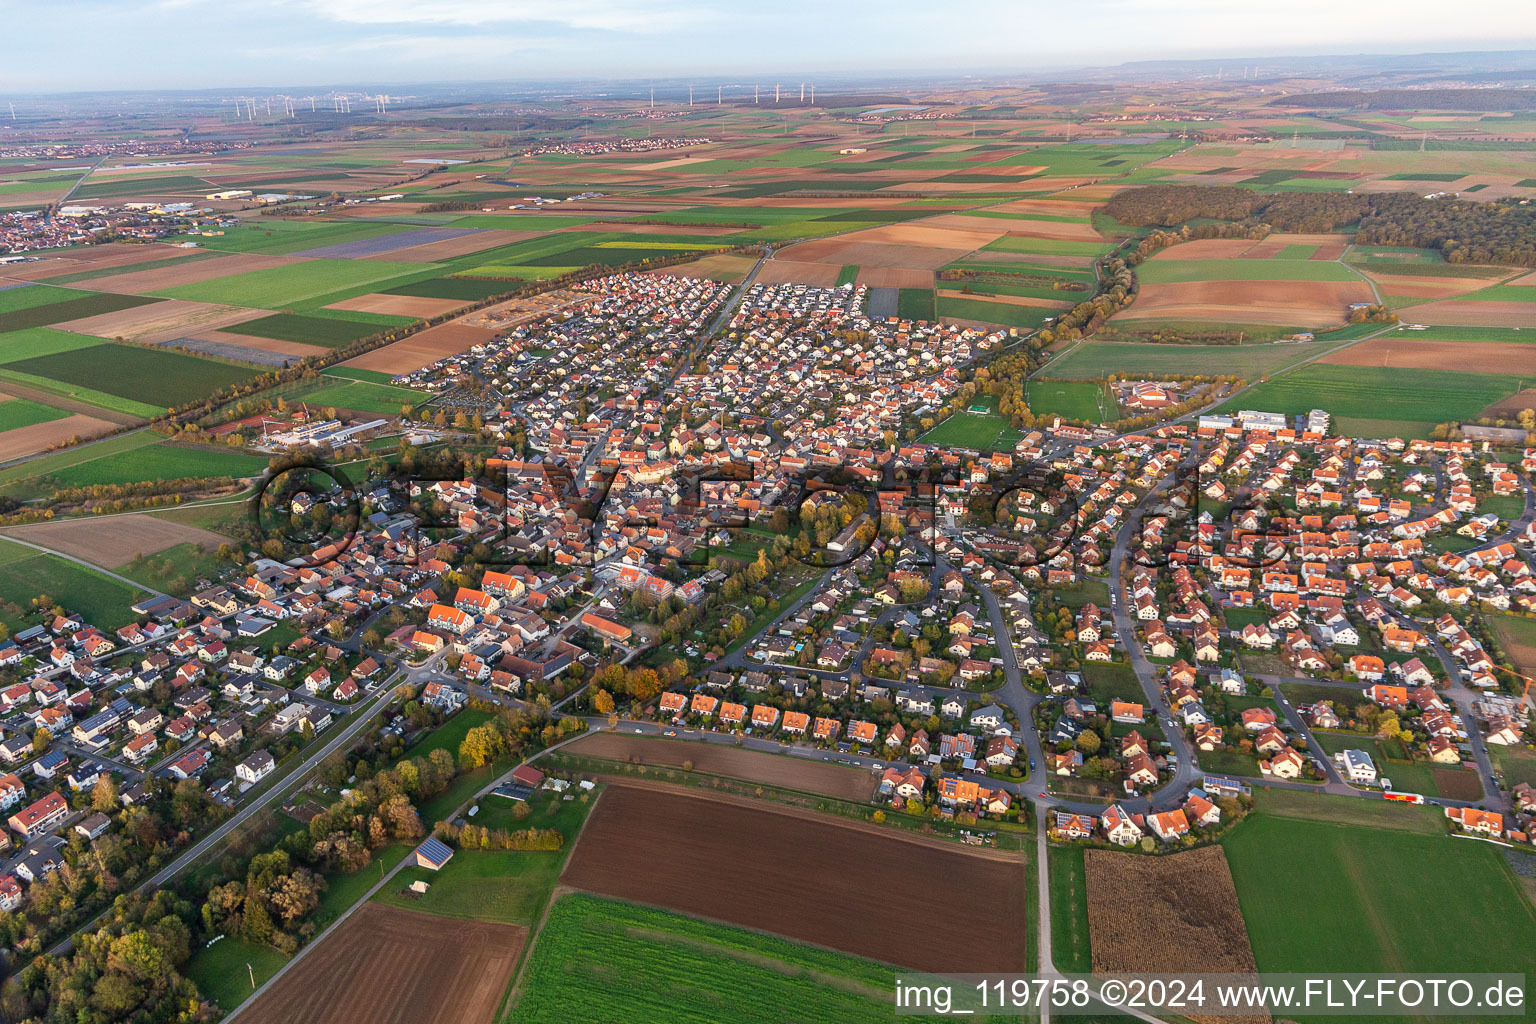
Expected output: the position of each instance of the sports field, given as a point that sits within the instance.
(1086, 401)
(1356, 898)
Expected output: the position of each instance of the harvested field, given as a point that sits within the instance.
(422, 349)
(1329, 246)
(287, 348)
(139, 281)
(1424, 287)
(1065, 232)
(1039, 259)
(1414, 354)
(628, 228)
(115, 540)
(701, 855)
(462, 245)
(159, 321)
(91, 257)
(1477, 313)
(776, 271)
(41, 436)
(951, 231)
(841, 251)
(506, 315)
(754, 766)
(1510, 408)
(890, 277)
(728, 269)
(373, 969)
(1286, 303)
(1186, 917)
(1206, 249)
(1008, 300)
(398, 305)
(1049, 207)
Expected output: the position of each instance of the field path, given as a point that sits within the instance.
(1356, 272)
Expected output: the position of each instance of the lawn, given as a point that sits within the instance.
(967, 430)
(1353, 898)
(449, 735)
(141, 375)
(1113, 682)
(1069, 910)
(1426, 397)
(174, 570)
(1086, 401)
(1518, 635)
(1098, 359)
(221, 971)
(1407, 777)
(344, 888)
(1315, 805)
(291, 285)
(597, 961)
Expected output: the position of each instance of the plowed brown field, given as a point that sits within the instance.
(399, 305)
(878, 894)
(422, 349)
(1476, 313)
(1286, 303)
(384, 965)
(1415, 354)
(42, 436)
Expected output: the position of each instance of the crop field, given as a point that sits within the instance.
(371, 970)
(1285, 303)
(141, 375)
(76, 307)
(127, 459)
(1073, 400)
(422, 348)
(1424, 397)
(1355, 898)
(1409, 352)
(466, 289)
(686, 851)
(40, 341)
(1166, 933)
(1173, 270)
(1005, 314)
(1094, 359)
(115, 540)
(293, 284)
(754, 766)
(915, 304)
(596, 961)
(19, 412)
(327, 332)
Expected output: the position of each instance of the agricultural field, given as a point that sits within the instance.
(133, 375)
(371, 969)
(115, 540)
(325, 331)
(364, 396)
(19, 412)
(295, 285)
(659, 846)
(1098, 359)
(1356, 898)
(753, 766)
(1379, 399)
(596, 961)
(126, 459)
(26, 574)
(1518, 635)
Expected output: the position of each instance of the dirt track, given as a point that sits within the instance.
(752, 765)
(384, 965)
(806, 877)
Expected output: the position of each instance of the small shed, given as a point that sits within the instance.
(433, 854)
(527, 775)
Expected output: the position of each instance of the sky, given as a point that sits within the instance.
(75, 45)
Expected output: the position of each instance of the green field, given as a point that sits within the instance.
(75, 306)
(19, 412)
(221, 973)
(1099, 359)
(364, 396)
(140, 375)
(1355, 898)
(597, 961)
(103, 600)
(330, 332)
(1005, 314)
(122, 460)
(1073, 400)
(468, 289)
(915, 304)
(277, 236)
(293, 285)
(1423, 397)
(1047, 246)
(1069, 909)
(1506, 335)
(1167, 271)
(40, 341)
(966, 429)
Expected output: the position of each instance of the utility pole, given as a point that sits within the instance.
(252, 971)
